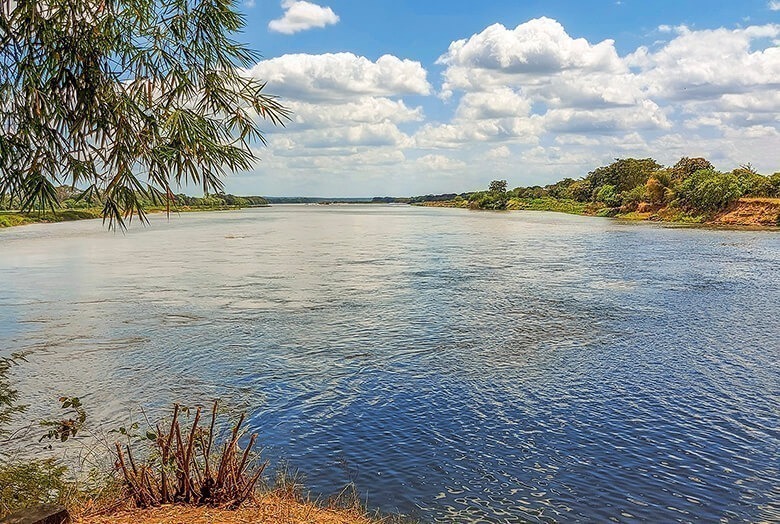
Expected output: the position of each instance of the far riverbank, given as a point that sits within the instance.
(755, 213)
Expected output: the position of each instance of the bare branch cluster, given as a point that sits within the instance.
(183, 467)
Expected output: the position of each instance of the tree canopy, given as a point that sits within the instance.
(125, 99)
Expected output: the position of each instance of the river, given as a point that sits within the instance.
(456, 366)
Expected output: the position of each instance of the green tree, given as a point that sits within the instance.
(581, 190)
(685, 167)
(709, 191)
(125, 99)
(498, 186)
(608, 195)
(625, 174)
(753, 183)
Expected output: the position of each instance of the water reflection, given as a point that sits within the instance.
(503, 367)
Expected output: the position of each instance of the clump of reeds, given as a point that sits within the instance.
(183, 468)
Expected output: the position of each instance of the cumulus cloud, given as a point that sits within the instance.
(300, 15)
(537, 49)
(774, 5)
(499, 152)
(340, 76)
(706, 64)
(363, 110)
(440, 163)
(344, 107)
(532, 95)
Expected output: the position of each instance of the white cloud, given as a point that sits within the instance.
(300, 15)
(341, 76)
(499, 103)
(366, 110)
(532, 96)
(440, 163)
(499, 152)
(707, 64)
(539, 48)
(774, 5)
(454, 135)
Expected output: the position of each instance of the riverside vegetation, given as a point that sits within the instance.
(71, 204)
(691, 191)
(180, 469)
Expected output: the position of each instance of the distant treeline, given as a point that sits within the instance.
(70, 198)
(317, 200)
(691, 186)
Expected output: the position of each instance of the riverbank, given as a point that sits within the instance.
(755, 212)
(12, 218)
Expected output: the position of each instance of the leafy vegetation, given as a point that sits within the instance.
(27, 483)
(690, 191)
(71, 207)
(127, 99)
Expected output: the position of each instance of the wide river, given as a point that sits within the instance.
(456, 366)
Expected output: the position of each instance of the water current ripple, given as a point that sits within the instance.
(457, 366)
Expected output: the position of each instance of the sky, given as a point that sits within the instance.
(409, 97)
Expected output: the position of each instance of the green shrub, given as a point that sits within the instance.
(26, 484)
(631, 199)
(709, 191)
(608, 195)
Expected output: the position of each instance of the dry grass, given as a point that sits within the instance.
(272, 507)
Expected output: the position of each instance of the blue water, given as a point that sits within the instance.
(456, 366)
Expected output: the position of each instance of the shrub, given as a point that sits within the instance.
(631, 199)
(26, 484)
(709, 191)
(608, 196)
(659, 188)
(182, 467)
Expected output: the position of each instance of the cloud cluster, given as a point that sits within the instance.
(342, 76)
(300, 15)
(534, 98)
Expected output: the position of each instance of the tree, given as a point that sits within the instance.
(581, 190)
(685, 167)
(625, 174)
(124, 99)
(709, 191)
(608, 195)
(498, 186)
(660, 187)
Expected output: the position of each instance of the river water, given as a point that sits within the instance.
(456, 366)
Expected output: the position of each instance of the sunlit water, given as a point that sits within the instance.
(457, 366)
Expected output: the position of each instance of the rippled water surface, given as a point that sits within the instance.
(457, 366)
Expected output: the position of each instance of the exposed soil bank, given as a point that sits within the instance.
(751, 212)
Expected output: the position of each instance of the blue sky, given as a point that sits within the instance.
(408, 97)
